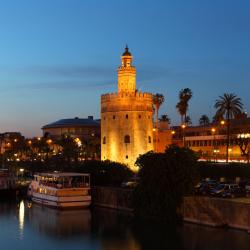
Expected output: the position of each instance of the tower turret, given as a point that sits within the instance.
(126, 73)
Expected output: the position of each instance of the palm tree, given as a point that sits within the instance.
(204, 120)
(188, 120)
(217, 118)
(181, 109)
(182, 106)
(165, 118)
(158, 99)
(229, 105)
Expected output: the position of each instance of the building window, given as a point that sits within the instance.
(113, 116)
(126, 116)
(149, 139)
(126, 156)
(126, 139)
(104, 118)
(149, 117)
(104, 140)
(139, 116)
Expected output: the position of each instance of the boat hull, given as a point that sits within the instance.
(62, 202)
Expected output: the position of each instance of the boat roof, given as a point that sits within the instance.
(61, 174)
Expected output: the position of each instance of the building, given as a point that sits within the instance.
(127, 118)
(75, 127)
(210, 141)
(162, 135)
(85, 131)
(9, 140)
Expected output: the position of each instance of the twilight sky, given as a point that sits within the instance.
(58, 56)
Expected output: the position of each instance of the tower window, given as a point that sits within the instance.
(126, 156)
(113, 116)
(139, 116)
(126, 116)
(126, 139)
(104, 140)
(149, 117)
(149, 139)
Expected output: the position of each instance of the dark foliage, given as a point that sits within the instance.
(164, 179)
(217, 170)
(103, 173)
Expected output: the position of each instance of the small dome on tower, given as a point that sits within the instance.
(126, 53)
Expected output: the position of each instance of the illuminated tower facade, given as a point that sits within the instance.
(126, 118)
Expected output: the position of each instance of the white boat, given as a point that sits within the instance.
(61, 190)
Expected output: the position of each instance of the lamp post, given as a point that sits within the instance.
(222, 123)
(213, 133)
(183, 126)
(229, 151)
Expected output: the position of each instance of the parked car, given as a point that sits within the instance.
(247, 188)
(234, 192)
(221, 188)
(205, 186)
(131, 183)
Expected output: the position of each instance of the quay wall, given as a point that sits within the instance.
(217, 212)
(234, 213)
(115, 198)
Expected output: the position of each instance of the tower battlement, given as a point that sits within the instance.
(127, 95)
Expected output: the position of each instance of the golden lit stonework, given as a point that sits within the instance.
(126, 118)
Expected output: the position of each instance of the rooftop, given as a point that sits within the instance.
(73, 122)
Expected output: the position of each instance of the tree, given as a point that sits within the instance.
(165, 118)
(182, 106)
(243, 142)
(70, 148)
(188, 120)
(204, 120)
(217, 118)
(229, 105)
(158, 99)
(164, 179)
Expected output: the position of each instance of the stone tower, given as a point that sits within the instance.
(126, 118)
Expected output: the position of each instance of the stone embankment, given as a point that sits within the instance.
(115, 198)
(234, 213)
(217, 212)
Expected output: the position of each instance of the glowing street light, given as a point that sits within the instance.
(49, 141)
(183, 126)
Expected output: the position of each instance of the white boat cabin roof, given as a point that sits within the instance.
(61, 174)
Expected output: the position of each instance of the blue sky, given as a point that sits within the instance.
(58, 56)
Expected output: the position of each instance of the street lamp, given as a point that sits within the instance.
(229, 151)
(216, 151)
(213, 130)
(183, 126)
(222, 122)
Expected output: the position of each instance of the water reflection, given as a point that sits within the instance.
(59, 223)
(102, 229)
(21, 216)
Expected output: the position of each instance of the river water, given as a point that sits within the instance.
(42, 228)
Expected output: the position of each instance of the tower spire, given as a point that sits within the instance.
(126, 73)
